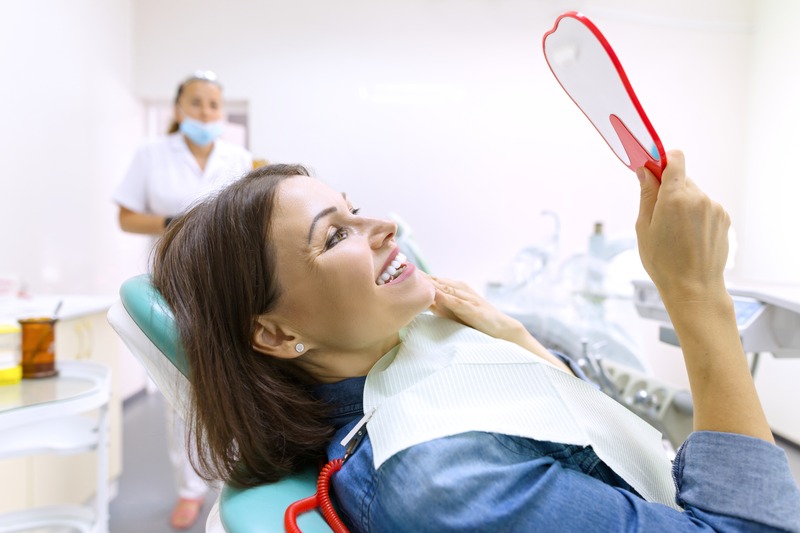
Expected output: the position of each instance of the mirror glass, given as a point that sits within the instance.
(586, 67)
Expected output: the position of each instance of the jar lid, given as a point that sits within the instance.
(5, 329)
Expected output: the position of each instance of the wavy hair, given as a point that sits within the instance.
(252, 418)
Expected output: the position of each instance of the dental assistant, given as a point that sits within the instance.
(171, 172)
(166, 176)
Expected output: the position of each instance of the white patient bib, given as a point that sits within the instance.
(447, 379)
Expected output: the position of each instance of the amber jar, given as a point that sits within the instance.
(38, 347)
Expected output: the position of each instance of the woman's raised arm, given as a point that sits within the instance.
(683, 245)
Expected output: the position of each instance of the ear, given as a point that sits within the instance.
(271, 339)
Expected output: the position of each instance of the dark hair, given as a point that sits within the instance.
(253, 418)
(201, 75)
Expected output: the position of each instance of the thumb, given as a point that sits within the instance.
(649, 194)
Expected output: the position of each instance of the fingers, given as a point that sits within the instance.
(451, 283)
(675, 173)
(454, 300)
(673, 179)
(649, 194)
(453, 293)
(682, 233)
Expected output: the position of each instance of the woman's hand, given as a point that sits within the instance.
(682, 234)
(459, 302)
(683, 243)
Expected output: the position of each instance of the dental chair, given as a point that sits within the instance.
(145, 323)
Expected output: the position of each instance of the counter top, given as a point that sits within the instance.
(74, 306)
(779, 294)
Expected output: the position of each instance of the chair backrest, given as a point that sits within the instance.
(147, 308)
(145, 323)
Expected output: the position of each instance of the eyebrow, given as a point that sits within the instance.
(325, 212)
(321, 214)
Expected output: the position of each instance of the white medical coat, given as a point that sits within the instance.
(164, 177)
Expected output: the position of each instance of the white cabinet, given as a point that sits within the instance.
(64, 414)
(82, 334)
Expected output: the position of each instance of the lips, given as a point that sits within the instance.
(395, 267)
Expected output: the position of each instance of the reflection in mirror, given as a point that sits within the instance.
(586, 67)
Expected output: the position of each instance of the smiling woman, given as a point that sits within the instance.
(333, 258)
(301, 321)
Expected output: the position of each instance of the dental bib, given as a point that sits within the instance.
(446, 379)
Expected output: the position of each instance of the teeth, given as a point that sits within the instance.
(396, 267)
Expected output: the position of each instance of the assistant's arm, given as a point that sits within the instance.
(135, 222)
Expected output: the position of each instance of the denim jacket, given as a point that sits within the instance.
(492, 482)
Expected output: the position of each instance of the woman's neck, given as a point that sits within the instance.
(200, 153)
(330, 367)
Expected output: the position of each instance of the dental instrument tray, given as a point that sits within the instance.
(766, 322)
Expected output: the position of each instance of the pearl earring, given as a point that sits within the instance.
(299, 347)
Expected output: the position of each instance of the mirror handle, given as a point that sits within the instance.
(638, 155)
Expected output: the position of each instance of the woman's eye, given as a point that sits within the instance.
(335, 238)
(355, 210)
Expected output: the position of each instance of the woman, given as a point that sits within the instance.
(171, 172)
(286, 298)
(165, 177)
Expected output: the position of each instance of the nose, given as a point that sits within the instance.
(381, 232)
(206, 112)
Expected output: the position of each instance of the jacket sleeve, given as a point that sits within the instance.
(724, 482)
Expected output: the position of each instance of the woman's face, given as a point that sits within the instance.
(200, 100)
(329, 260)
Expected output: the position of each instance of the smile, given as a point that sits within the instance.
(393, 271)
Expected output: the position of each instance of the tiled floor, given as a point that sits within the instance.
(146, 489)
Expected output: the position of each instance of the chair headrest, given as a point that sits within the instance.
(151, 313)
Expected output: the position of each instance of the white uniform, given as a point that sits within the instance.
(164, 179)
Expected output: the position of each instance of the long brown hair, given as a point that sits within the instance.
(252, 418)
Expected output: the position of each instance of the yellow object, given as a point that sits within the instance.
(10, 376)
(10, 354)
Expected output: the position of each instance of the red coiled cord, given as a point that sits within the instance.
(321, 499)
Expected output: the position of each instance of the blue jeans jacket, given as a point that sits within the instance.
(491, 482)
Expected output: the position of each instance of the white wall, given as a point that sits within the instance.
(445, 112)
(772, 188)
(70, 125)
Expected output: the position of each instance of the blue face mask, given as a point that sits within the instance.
(201, 133)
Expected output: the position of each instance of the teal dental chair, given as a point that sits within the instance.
(145, 323)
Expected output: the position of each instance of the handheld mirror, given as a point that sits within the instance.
(588, 70)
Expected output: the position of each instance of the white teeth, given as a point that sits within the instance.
(394, 268)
